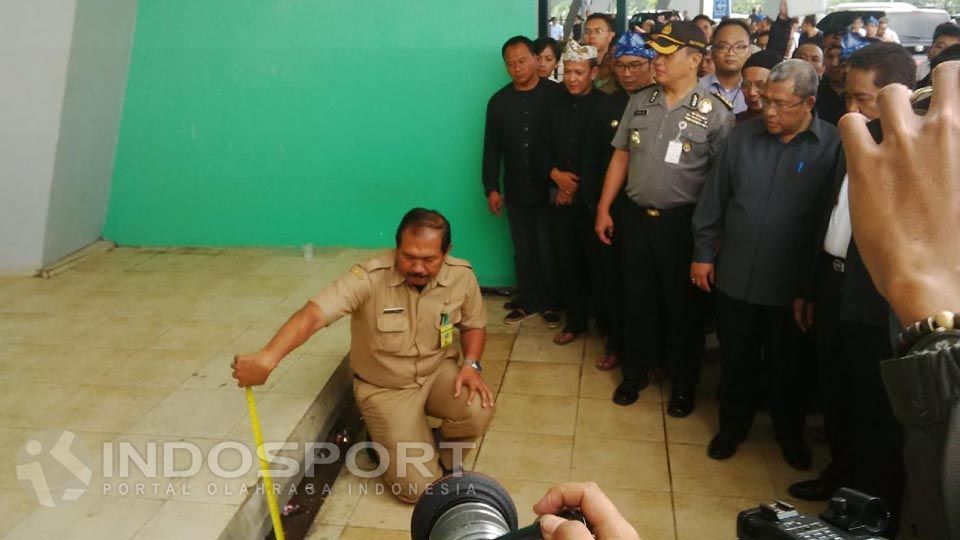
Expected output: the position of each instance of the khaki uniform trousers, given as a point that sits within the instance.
(394, 416)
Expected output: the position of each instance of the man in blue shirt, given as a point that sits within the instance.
(730, 49)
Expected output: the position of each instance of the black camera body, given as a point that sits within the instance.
(851, 515)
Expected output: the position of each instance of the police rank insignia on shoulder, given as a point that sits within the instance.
(725, 101)
(358, 272)
(654, 96)
(705, 106)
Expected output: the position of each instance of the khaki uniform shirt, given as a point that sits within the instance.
(699, 123)
(395, 328)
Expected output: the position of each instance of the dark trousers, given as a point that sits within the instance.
(610, 285)
(662, 315)
(866, 441)
(534, 256)
(757, 360)
(576, 245)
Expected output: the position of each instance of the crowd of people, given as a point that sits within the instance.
(687, 174)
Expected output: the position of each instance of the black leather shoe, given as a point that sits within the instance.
(723, 445)
(812, 490)
(629, 391)
(681, 402)
(797, 455)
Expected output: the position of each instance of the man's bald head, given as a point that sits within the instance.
(811, 54)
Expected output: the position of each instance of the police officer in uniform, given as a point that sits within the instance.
(665, 145)
(404, 306)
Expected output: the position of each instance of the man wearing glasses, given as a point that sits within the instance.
(599, 32)
(753, 228)
(633, 67)
(730, 49)
(664, 147)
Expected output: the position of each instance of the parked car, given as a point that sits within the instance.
(913, 25)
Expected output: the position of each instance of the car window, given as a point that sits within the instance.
(916, 26)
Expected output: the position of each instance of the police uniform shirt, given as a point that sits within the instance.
(395, 328)
(699, 122)
(735, 95)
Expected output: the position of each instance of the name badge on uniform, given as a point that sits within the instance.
(446, 331)
(674, 148)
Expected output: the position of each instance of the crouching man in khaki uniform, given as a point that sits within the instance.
(403, 306)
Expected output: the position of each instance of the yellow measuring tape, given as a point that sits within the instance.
(264, 466)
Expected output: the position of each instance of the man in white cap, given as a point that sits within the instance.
(572, 218)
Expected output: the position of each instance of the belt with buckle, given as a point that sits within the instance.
(652, 212)
(839, 265)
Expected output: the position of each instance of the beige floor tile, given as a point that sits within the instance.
(115, 260)
(123, 333)
(231, 262)
(15, 506)
(308, 375)
(250, 285)
(702, 516)
(525, 456)
(743, 475)
(243, 308)
(601, 418)
(52, 300)
(210, 486)
(80, 365)
(108, 408)
(493, 372)
(204, 413)
(12, 441)
(698, 428)
(173, 262)
(594, 347)
(542, 379)
(279, 414)
(539, 347)
(601, 384)
(88, 518)
(650, 513)
(177, 519)
(525, 494)
(157, 368)
(166, 306)
(498, 346)
(342, 499)
(254, 339)
(621, 464)
(379, 509)
(34, 405)
(289, 266)
(362, 533)
(199, 336)
(549, 415)
(216, 373)
(137, 466)
(43, 329)
(329, 532)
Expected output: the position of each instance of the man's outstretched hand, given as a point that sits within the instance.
(905, 197)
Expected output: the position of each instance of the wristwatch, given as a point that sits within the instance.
(475, 364)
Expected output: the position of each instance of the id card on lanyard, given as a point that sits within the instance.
(446, 331)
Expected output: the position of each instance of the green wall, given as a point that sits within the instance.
(282, 122)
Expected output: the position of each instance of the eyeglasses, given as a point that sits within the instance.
(777, 106)
(594, 31)
(724, 48)
(632, 67)
(759, 86)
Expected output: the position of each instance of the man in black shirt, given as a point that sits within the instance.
(830, 105)
(852, 322)
(514, 125)
(633, 67)
(760, 203)
(780, 31)
(572, 217)
(809, 33)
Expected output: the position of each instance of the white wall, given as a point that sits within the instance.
(34, 53)
(63, 71)
(89, 124)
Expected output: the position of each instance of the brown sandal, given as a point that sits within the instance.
(563, 338)
(607, 362)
